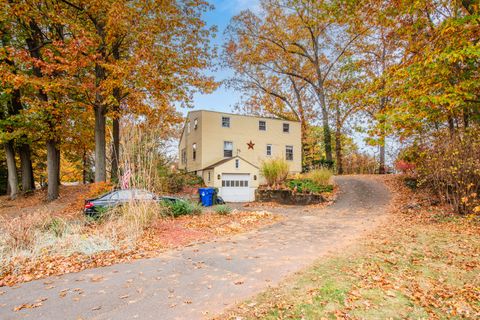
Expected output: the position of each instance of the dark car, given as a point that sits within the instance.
(119, 197)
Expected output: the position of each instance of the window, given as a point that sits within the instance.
(195, 124)
(188, 127)
(227, 149)
(184, 155)
(234, 183)
(286, 127)
(289, 153)
(226, 122)
(109, 196)
(237, 163)
(124, 195)
(144, 195)
(262, 125)
(269, 149)
(194, 151)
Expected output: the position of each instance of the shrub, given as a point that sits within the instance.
(404, 166)
(192, 179)
(57, 226)
(320, 176)
(275, 171)
(180, 208)
(450, 165)
(19, 233)
(308, 186)
(125, 224)
(223, 209)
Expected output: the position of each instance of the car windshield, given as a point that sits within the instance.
(107, 196)
(144, 195)
(124, 195)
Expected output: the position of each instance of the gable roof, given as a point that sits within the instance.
(243, 115)
(216, 164)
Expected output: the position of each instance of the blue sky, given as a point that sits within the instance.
(222, 99)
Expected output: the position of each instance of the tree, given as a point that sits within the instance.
(145, 57)
(11, 108)
(434, 84)
(302, 40)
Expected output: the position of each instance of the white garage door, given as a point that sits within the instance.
(236, 188)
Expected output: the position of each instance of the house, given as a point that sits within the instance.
(226, 150)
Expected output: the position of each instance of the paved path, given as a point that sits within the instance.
(200, 281)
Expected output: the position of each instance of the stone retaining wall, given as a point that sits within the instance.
(285, 196)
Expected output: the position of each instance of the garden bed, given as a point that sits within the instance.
(288, 197)
(299, 191)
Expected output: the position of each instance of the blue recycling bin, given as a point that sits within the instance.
(206, 196)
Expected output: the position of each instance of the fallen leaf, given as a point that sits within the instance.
(96, 278)
(27, 306)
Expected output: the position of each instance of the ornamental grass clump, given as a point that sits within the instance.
(320, 176)
(223, 209)
(275, 171)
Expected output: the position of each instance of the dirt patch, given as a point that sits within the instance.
(69, 202)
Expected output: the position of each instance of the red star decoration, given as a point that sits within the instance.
(250, 145)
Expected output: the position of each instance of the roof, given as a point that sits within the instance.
(242, 115)
(216, 164)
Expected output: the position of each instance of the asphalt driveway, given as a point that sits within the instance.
(200, 281)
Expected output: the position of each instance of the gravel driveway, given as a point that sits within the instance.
(201, 281)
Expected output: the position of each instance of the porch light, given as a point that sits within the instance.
(254, 177)
(219, 177)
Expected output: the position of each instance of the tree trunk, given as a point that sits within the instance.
(59, 180)
(338, 142)
(115, 148)
(12, 169)
(327, 138)
(382, 169)
(100, 149)
(28, 182)
(116, 125)
(84, 167)
(53, 169)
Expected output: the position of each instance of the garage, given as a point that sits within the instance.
(236, 187)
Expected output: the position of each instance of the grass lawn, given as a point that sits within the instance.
(424, 263)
